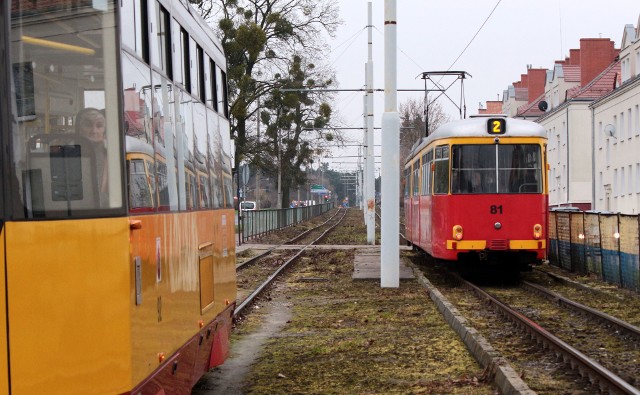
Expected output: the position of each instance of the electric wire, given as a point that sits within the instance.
(475, 35)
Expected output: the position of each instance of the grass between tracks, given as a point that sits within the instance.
(353, 337)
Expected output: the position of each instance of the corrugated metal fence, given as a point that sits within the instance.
(603, 244)
(259, 222)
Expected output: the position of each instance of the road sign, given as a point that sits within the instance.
(315, 188)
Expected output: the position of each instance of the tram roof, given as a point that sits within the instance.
(476, 126)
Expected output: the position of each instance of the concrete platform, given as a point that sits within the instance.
(366, 266)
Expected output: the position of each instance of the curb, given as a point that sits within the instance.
(505, 377)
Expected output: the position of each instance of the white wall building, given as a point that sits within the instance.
(587, 74)
(616, 135)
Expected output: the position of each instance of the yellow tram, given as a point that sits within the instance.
(117, 216)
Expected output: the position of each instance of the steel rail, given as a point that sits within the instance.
(606, 319)
(256, 258)
(587, 367)
(301, 235)
(249, 299)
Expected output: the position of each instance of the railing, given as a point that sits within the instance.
(602, 244)
(260, 222)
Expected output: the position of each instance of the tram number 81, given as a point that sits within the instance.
(495, 209)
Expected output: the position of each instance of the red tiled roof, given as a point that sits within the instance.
(531, 109)
(604, 83)
(571, 72)
(522, 94)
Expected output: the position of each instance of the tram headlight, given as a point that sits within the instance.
(457, 232)
(537, 231)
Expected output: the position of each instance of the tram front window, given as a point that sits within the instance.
(66, 133)
(496, 168)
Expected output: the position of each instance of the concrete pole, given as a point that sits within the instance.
(359, 192)
(364, 153)
(389, 224)
(371, 204)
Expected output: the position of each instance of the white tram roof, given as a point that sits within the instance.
(476, 126)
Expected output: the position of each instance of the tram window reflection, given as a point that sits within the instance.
(63, 65)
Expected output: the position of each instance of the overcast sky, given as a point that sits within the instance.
(433, 33)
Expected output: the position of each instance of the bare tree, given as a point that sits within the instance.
(413, 126)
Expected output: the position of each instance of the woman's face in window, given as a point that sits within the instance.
(92, 127)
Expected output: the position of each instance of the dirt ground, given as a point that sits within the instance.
(320, 332)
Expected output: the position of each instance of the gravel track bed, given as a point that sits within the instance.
(620, 303)
(607, 347)
(542, 372)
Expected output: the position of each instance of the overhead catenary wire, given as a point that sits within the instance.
(475, 35)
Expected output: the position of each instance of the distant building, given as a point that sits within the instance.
(492, 107)
(517, 97)
(559, 100)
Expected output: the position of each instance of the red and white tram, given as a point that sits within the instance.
(476, 190)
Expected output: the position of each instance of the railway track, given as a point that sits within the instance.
(605, 378)
(297, 238)
(271, 265)
(541, 332)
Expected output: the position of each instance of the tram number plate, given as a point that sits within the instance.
(494, 209)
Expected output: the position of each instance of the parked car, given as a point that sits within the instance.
(247, 205)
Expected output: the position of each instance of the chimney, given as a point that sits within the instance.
(537, 80)
(574, 56)
(595, 55)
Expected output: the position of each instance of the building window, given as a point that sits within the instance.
(615, 182)
(600, 135)
(630, 183)
(600, 186)
(637, 177)
(629, 124)
(638, 118)
(621, 126)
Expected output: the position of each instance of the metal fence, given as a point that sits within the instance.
(603, 244)
(259, 222)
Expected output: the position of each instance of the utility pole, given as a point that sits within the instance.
(370, 183)
(364, 153)
(389, 224)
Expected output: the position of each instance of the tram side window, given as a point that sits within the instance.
(165, 146)
(140, 190)
(185, 59)
(176, 48)
(66, 134)
(193, 62)
(163, 35)
(201, 81)
(213, 99)
(416, 178)
(407, 181)
(426, 172)
(225, 98)
(441, 173)
(135, 30)
(429, 171)
(221, 93)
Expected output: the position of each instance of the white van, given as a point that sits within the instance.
(247, 205)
